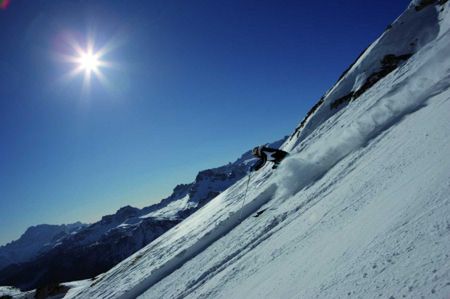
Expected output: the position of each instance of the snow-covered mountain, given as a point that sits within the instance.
(36, 240)
(88, 250)
(359, 209)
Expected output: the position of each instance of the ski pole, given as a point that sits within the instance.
(245, 195)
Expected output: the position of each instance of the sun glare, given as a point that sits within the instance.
(88, 61)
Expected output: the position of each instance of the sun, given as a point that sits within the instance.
(89, 62)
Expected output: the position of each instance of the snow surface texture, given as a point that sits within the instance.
(11, 292)
(360, 209)
(15, 293)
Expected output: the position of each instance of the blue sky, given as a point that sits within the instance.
(192, 85)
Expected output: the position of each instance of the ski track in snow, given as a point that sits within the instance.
(373, 202)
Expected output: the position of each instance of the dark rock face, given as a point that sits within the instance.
(388, 64)
(425, 3)
(50, 290)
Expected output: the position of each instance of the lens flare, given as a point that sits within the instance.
(4, 4)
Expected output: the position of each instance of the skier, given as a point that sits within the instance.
(265, 154)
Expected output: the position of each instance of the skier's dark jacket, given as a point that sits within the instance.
(267, 154)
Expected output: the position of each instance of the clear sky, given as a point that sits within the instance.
(183, 86)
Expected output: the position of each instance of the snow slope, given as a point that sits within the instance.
(360, 208)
